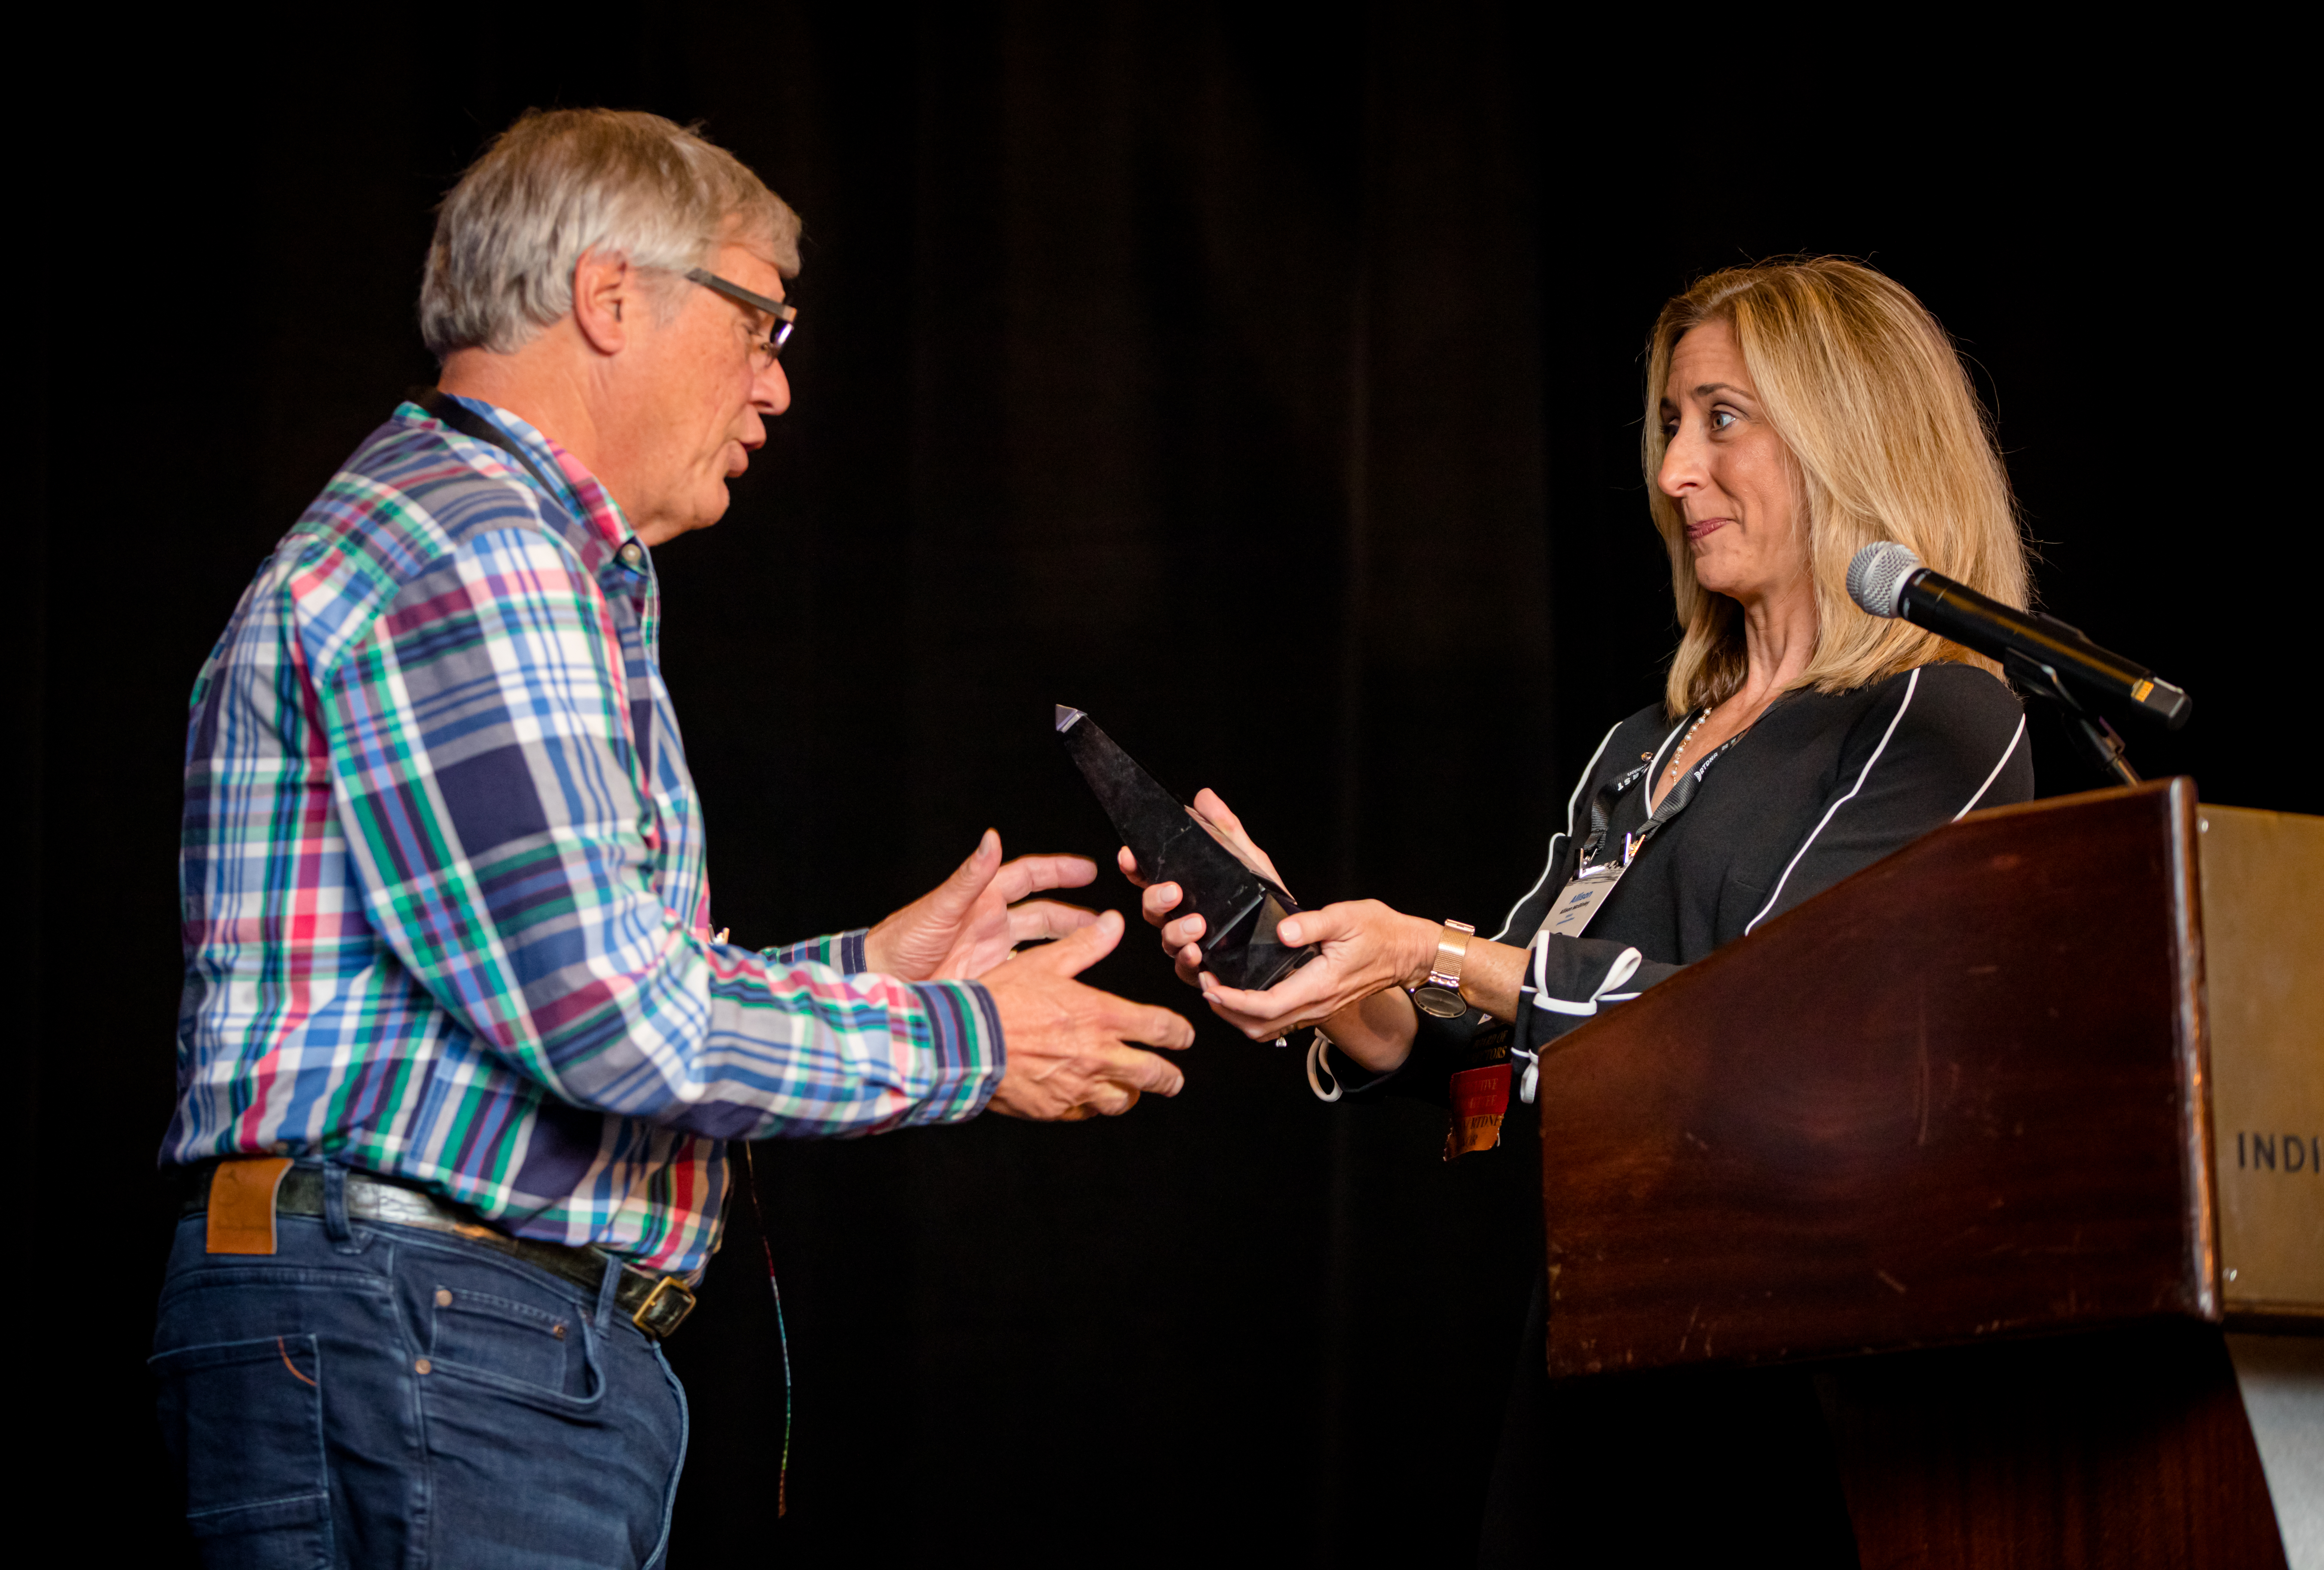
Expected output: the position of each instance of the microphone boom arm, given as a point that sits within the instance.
(2101, 744)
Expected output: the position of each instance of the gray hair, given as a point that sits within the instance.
(563, 181)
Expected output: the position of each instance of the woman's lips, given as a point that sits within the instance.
(1704, 529)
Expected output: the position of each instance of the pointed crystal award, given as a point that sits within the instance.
(1241, 906)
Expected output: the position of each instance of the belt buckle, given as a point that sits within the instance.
(665, 1307)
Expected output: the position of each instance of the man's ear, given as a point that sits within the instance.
(604, 296)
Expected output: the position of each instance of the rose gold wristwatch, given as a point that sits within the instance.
(1440, 995)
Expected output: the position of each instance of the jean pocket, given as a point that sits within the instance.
(508, 1342)
(244, 1421)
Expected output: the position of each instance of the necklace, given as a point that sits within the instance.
(1678, 758)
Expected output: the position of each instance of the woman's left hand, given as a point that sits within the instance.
(1367, 948)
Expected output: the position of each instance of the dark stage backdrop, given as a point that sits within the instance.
(1268, 387)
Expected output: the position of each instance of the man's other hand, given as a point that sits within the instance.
(970, 922)
(1068, 1055)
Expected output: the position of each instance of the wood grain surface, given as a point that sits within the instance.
(1956, 1097)
(2125, 1448)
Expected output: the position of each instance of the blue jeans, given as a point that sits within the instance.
(381, 1395)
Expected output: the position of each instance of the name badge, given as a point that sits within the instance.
(1579, 899)
(1587, 890)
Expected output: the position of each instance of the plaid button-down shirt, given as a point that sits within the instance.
(442, 877)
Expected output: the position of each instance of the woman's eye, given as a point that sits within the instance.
(1720, 418)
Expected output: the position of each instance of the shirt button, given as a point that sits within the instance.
(632, 553)
(422, 1366)
(443, 1296)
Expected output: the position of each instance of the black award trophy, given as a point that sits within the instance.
(1241, 906)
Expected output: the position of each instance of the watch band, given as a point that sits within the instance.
(1440, 995)
(1450, 952)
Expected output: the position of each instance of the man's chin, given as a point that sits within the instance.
(713, 508)
(661, 534)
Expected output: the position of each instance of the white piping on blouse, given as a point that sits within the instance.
(1654, 767)
(2007, 752)
(1911, 686)
(1625, 965)
(1572, 802)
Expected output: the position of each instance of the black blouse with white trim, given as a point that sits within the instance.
(1820, 788)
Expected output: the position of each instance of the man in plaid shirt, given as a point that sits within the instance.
(459, 1053)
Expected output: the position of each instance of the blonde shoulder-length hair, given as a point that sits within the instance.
(1887, 442)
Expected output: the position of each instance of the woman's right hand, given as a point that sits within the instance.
(1375, 1031)
(1180, 933)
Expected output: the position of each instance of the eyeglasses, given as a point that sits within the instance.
(771, 346)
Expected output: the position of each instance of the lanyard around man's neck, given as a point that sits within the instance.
(451, 411)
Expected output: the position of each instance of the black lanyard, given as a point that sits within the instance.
(468, 422)
(1674, 802)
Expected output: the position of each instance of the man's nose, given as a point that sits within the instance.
(770, 395)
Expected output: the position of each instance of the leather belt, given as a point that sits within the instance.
(655, 1305)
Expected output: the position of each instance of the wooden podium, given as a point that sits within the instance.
(1970, 1135)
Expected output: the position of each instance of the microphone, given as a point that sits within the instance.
(2039, 651)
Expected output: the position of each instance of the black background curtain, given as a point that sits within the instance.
(1265, 383)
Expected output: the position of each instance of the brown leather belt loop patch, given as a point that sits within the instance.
(242, 1204)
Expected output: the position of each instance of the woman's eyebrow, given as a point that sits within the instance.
(1707, 388)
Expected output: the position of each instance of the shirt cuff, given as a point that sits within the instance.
(1351, 1077)
(965, 1045)
(841, 951)
(1566, 983)
(959, 1029)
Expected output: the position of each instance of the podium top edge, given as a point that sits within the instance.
(2179, 787)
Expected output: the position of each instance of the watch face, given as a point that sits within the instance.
(1441, 1001)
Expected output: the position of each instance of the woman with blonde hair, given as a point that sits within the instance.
(1795, 411)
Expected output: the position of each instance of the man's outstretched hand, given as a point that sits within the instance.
(1068, 1048)
(968, 923)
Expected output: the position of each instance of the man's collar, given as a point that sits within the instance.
(584, 496)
